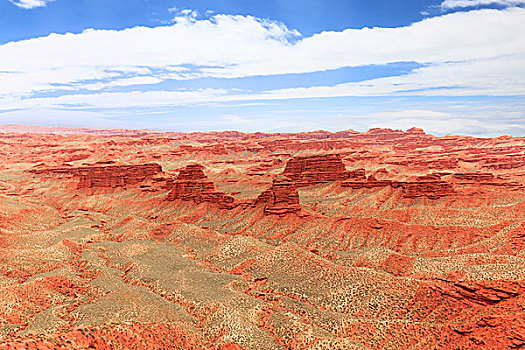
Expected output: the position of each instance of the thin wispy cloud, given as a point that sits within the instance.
(30, 4)
(455, 4)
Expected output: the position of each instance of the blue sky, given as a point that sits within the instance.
(448, 66)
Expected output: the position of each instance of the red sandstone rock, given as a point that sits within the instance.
(429, 186)
(317, 169)
(399, 265)
(192, 172)
(490, 332)
(193, 185)
(474, 177)
(457, 245)
(364, 182)
(110, 176)
(481, 293)
(117, 175)
(281, 199)
(125, 336)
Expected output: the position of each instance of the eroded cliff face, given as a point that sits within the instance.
(117, 176)
(193, 185)
(380, 240)
(315, 169)
(106, 176)
(319, 169)
(281, 198)
(430, 186)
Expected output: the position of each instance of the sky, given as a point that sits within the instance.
(447, 66)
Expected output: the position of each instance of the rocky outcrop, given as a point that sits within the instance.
(481, 293)
(357, 175)
(505, 162)
(474, 177)
(489, 332)
(364, 182)
(280, 199)
(192, 172)
(117, 175)
(430, 186)
(193, 185)
(106, 176)
(316, 169)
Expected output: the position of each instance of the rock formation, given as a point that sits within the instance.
(281, 199)
(430, 186)
(486, 293)
(107, 176)
(117, 175)
(316, 169)
(193, 185)
(474, 177)
(364, 182)
(373, 257)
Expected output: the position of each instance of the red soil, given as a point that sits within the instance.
(118, 239)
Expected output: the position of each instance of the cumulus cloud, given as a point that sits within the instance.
(466, 53)
(454, 4)
(30, 4)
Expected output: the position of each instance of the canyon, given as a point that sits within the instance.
(138, 239)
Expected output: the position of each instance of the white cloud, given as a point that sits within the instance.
(115, 100)
(189, 13)
(466, 53)
(501, 76)
(454, 4)
(30, 4)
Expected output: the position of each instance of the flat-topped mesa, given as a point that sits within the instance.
(113, 176)
(106, 176)
(280, 199)
(430, 186)
(193, 185)
(316, 169)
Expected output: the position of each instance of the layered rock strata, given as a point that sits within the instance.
(280, 199)
(430, 186)
(316, 169)
(107, 176)
(193, 185)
